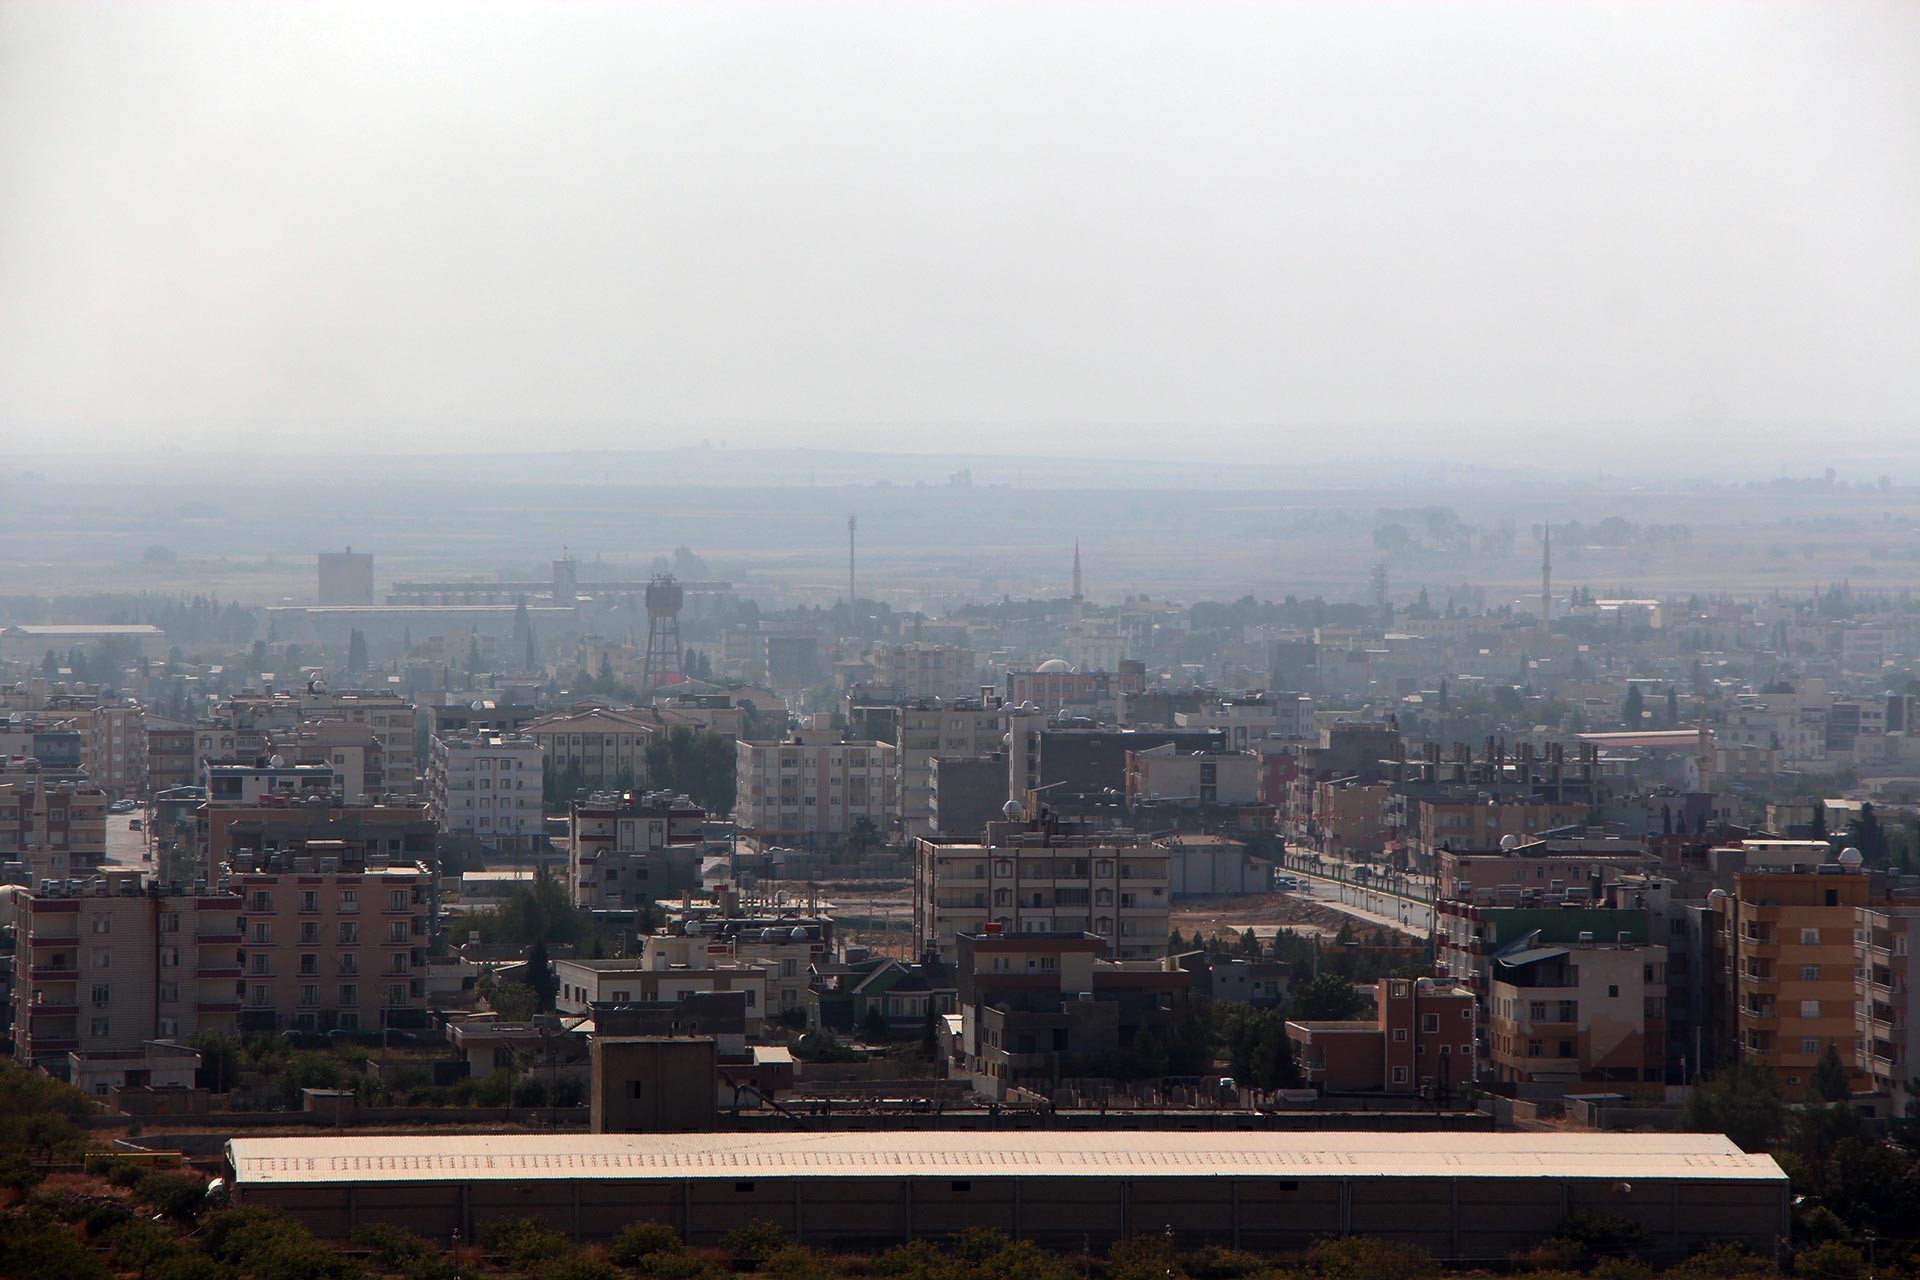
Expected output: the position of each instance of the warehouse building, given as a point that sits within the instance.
(1465, 1196)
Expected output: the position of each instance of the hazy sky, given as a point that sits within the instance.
(472, 225)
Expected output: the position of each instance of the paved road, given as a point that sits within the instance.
(1364, 902)
(125, 846)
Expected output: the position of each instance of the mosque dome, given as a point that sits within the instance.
(1055, 665)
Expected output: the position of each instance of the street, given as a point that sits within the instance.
(1403, 902)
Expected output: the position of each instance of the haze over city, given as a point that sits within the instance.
(959, 641)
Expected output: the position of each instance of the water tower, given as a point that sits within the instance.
(664, 598)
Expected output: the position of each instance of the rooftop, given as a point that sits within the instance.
(942, 1154)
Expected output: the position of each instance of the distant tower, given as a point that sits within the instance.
(1546, 579)
(1079, 596)
(664, 598)
(346, 577)
(853, 597)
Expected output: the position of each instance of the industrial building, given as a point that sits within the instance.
(1465, 1196)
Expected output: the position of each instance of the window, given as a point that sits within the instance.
(262, 995)
(396, 995)
(1537, 1011)
(396, 931)
(349, 963)
(1809, 973)
(397, 962)
(1809, 1008)
(169, 1027)
(169, 993)
(103, 959)
(103, 924)
(1429, 1023)
(1536, 1049)
(100, 1028)
(1399, 1075)
(309, 994)
(262, 900)
(309, 932)
(169, 922)
(1613, 993)
(349, 993)
(349, 899)
(1809, 937)
(309, 899)
(1466, 1048)
(350, 932)
(259, 963)
(1810, 1045)
(262, 932)
(102, 995)
(397, 900)
(1399, 1035)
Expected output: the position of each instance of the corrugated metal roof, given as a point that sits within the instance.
(923, 1153)
(1533, 955)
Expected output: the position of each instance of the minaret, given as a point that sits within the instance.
(1546, 580)
(1079, 598)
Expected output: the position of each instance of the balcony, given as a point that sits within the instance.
(228, 938)
(53, 973)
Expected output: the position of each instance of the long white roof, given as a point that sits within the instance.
(930, 1153)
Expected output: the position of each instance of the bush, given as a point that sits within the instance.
(797, 1262)
(189, 1266)
(1144, 1257)
(176, 1195)
(1362, 1258)
(1217, 1263)
(916, 1260)
(643, 1240)
(392, 1246)
(576, 1265)
(1025, 1260)
(139, 1245)
(526, 1242)
(1722, 1260)
(755, 1241)
(36, 1248)
(1830, 1261)
(675, 1266)
(1600, 1235)
(269, 1245)
(17, 1173)
(125, 1173)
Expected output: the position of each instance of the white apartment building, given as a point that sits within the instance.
(486, 786)
(1244, 722)
(922, 670)
(115, 749)
(965, 729)
(390, 716)
(812, 786)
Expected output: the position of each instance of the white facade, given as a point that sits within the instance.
(921, 670)
(486, 786)
(814, 786)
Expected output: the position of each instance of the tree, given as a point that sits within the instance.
(1868, 835)
(219, 1060)
(1744, 1101)
(1328, 998)
(863, 836)
(546, 988)
(1635, 708)
(1673, 708)
(356, 650)
(1442, 702)
(875, 1025)
(1831, 1081)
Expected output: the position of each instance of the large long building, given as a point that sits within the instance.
(1470, 1197)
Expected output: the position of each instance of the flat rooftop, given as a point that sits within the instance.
(941, 1154)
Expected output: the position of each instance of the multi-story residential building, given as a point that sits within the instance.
(1591, 1011)
(1039, 878)
(626, 849)
(393, 833)
(346, 577)
(1166, 773)
(110, 963)
(58, 829)
(249, 784)
(924, 731)
(1575, 867)
(116, 749)
(813, 786)
(487, 787)
(352, 751)
(1056, 684)
(1040, 1008)
(332, 941)
(390, 716)
(170, 756)
(605, 746)
(1787, 937)
(1245, 721)
(1420, 1040)
(921, 670)
(1887, 999)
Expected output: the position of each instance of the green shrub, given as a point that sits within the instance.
(392, 1246)
(125, 1173)
(643, 1240)
(139, 1245)
(1364, 1258)
(174, 1194)
(33, 1247)
(797, 1262)
(186, 1265)
(1830, 1261)
(526, 1242)
(1217, 1263)
(577, 1266)
(757, 1240)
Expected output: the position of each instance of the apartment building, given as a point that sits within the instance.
(352, 751)
(57, 829)
(606, 746)
(625, 849)
(812, 787)
(1887, 999)
(394, 833)
(921, 670)
(107, 964)
(250, 784)
(1420, 1040)
(655, 978)
(487, 787)
(1040, 878)
(1523, 868)
(1589, 1012)
(1166, 773)
(115, 749)
(923, 731)
(332, 941)
(170, 757)
(390, 716)
(1244, 722)
(1786, 934)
